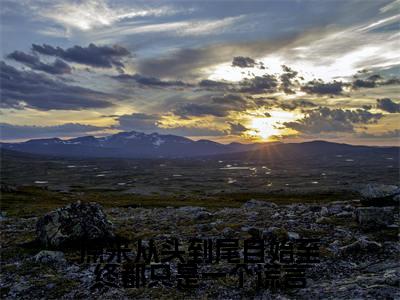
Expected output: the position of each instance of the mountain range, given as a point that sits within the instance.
(141, 145)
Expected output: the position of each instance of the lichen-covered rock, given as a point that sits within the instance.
(75, 222)
(379, 194)
(374, 217)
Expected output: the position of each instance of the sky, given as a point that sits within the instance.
(243, 71)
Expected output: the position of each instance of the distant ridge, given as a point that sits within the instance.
(135, 144)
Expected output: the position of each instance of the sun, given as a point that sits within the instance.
(263, 128)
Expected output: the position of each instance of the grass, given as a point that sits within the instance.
(35, 201)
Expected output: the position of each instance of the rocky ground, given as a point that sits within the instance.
(359, 248)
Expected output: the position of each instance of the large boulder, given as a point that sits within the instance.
(375, 217)
(380, 195)
(72, 223)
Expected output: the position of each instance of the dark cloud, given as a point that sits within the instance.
(368, 83)
(392, 81)
(138, 121)
(150, 81)
(259, 84)
(10, 131)
(287, 80)
(388, 105)
(94, 56)
(34, 90)
(34, 62)
(243, 62)
(215, 85)
(217, 105)
(321, 88)
(236, 128)
(373, 81)
(325, 119)
(197, 110)
(292, 105)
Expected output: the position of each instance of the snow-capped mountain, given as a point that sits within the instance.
(127, 144)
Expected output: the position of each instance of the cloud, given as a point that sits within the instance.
(153, 123)
(138, 121)
(21, 89)
(12, 132)
(385, 135)
(287, 83)
(193, 131)
(292, 105)
(339, 52)
(32, 61)
(92, 55)
(370, 82)
(325, 119)
(88, 15)
(388, 105)
(237, 128)
(321, 88)
(373, 81)
(259, 84)
(150, 81)
(197, 110)
(214, 105)
(193, 63)
(243, 62)
(214, 85)
(209, 27)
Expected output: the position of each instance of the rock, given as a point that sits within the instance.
(380, 195)
(392, 277)
(202, 215)
(323, 220)
(204, 227)
(255, 233)
(293, 235)
(190, 209)
(324, 211)
(252, 216)
(374, 217)
(198, 213)
(72, 223)
(276, 215)
(259, 204)
(344, 214)
(335, 209)
(228, 232)
(50, 257)
(275, 233)
(334, 247)
(362, 245)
